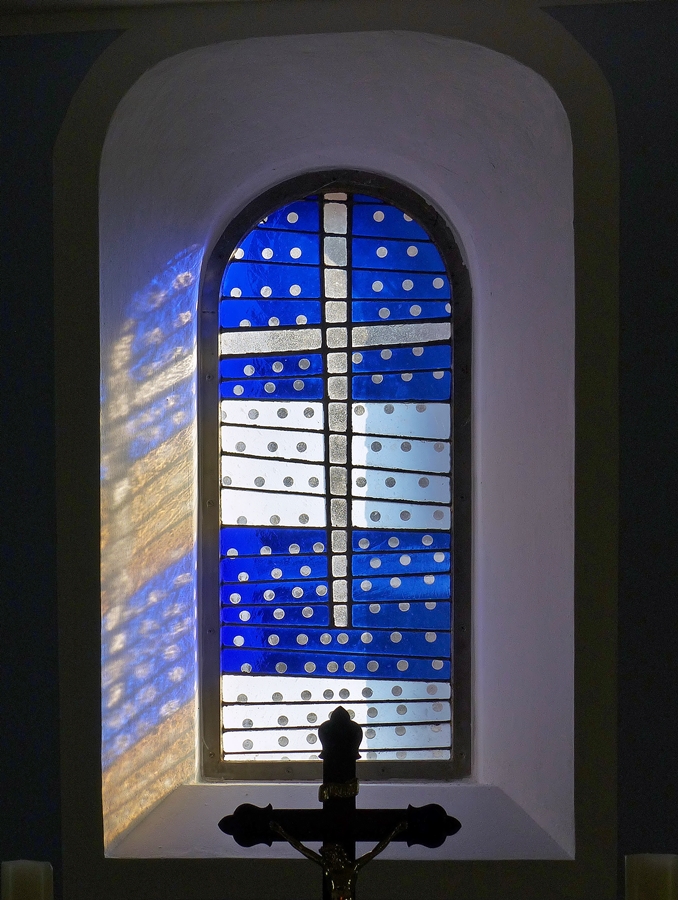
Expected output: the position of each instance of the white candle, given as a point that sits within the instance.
(651, 876)
(25, 879)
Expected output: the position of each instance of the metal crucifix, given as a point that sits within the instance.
(339, 824)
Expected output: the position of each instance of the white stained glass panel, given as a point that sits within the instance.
(269, 715)
(268, 443)
(265, 413)
(400, 485)
(272, 475)
(271, 689)
(294, 740)
(378, 514)
(392, 453)
(249, 343)
(438, 753)
(408, 334)
(265, 508)
(424, 420)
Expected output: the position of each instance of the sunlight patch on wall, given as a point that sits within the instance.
(148, 553)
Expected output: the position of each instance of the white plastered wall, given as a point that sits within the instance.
(487, 142)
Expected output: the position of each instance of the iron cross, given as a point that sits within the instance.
(339, 825)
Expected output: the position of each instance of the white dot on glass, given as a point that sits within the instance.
(430, 636)
(372, 666)
(438, 283)
(427, 540)
(415, 310)
(273, 640)
(357, 358)
(402, 666)
(439, 557)
(278, 614)
(429, 579)
(295, 290)
(406, 446)
(273, 321)
(239, 253)
(332, 666)
(246, 667)
(249, 370)
(412, 250)
(438, 447)
(267, 253)
(437, 664)
(375, 563)
(240, 446)
(438, 375)
(359, 410)
(404, 607)
(406, 376)
(384, 312)
(302, 639)
(389, 409)
(269, 387)
(301, 447)
(318, 547)
(298, 385)
(407, 218)
(274, 520)
(374, 609)
(395, 582)
(438, 515)
(418, 351)
(303, 519)
(305, 570)
(408, 284)
(321, 590)
(269, 595)
(247, 745)
(386, 354)
(266, 291)
(238, 390)
(365, 585)
(238, 640)
(342, 638)
(276, 573)
(396, 637)
(378, 216)
(382, 252)
(394, 542)
(400, 729)
(301, 320)
(295, 252)
(283, 741)
(283, 720)
(259, 481)
(241, 520)
(307, 612)
(377, 379)
(245, 323)
(405, 515)
(363, 543)
(377, 286)
(236, 292)
(309, 667)
(448, 307)
(265, 551)
(292, 218)
(430, 604)
(405, 560)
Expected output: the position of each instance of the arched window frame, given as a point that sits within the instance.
(439, 230)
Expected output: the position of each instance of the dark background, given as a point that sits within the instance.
(635, 45)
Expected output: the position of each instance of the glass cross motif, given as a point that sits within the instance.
(336, 467)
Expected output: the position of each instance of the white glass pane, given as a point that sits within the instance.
(273, 475)
(411, 333)
(400, 485)
(296, 740)
(335, 283)
(264, 508)
(377, 514)
(246, 342)
(274, 689)
(268, 443)
(438, 753)
(390, 453)
(425, 420)
(276, 415)
(335, 218)
(268, 715)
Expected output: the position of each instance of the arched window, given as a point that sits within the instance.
(335, 358)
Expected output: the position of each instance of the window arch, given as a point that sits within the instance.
(335, 322)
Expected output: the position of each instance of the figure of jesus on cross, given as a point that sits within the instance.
(339, 824)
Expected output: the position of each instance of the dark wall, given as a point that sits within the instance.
(635, 45)
(38, 77)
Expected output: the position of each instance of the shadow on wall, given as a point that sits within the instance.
(148, 553)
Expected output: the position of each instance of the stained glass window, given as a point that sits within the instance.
(335, 379)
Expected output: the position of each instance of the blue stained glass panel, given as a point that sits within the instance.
(383, 220)
(369, 541)
(285, 388)
(407, 643)
(375, 285)
(263, 568)
(400, 564)
(263, 366)
(301, 215)
(274, 615)
(403, 359)
(265, 244)
(300, 591)
(295, 663)
(420, 386)
(260, 313)
(244, 279)
(251, 541)
(397, 311)
(403, 615)
(409, 587)
(373, 253)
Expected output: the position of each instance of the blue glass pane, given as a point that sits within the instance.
(264, 244)
(374, 285)
(270, 389)
(369, 541)
(409, 587)
(302, 215)
(273, 592)
(420, 386)
(264, 568)
(269, 280)
(266, 366)
(382, 220)
(403, 359)
(251, 541)
(401, 563)
(403, 615)
(274, 615)
(397, 311)
(407, 643)
(406, 256)
(262, 662)
(260, 313)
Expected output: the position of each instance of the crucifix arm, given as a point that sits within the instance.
(381, 846)
(308, 853)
